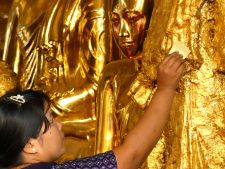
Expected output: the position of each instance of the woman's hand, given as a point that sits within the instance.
(170, 72)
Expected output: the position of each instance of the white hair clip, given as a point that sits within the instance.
(18, 98)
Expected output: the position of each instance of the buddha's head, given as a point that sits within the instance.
(130, 21)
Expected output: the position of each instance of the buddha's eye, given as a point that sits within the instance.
(115, 18)
(132, 16)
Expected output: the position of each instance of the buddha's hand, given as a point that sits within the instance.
(170, 72)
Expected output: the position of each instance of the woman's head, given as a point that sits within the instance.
(26, 127)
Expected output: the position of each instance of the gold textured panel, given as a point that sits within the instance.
(194, 136)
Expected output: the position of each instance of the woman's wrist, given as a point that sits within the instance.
(166, 90)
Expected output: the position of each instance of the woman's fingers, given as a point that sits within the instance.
(180, 69)
(172, 62)
(172, 59)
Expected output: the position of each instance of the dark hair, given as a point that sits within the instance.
(21, 118)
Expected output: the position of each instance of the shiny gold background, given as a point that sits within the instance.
(194, 136)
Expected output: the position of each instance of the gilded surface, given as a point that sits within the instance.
(4, 9)
(194, 137)
(8, 79)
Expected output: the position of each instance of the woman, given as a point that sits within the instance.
(31, 138)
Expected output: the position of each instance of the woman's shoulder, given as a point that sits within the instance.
(40, 166)
(102, 160)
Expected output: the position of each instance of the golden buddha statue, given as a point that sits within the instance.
(60, 48)
(121, 96)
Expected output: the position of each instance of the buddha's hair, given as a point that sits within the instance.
(20, 120)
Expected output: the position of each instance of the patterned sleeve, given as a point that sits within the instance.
(105, 160)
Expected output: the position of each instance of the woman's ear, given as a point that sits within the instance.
(31, 147)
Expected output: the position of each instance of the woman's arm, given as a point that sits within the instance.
(141, 140)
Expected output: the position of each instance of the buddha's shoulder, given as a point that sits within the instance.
(121, 67)
(121, 72)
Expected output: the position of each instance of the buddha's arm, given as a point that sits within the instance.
(142, 139)
(116, 77)
(105, 116)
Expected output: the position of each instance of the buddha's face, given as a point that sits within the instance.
(130, 19)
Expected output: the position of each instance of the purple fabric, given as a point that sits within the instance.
(105, 160)
(40, 166)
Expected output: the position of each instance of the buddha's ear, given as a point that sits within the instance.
(31, 147)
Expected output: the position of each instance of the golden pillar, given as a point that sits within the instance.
(194, 136)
